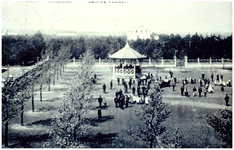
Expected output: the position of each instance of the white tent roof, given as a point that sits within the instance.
(127, 53)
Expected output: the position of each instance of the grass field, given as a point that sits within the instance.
(188, 113)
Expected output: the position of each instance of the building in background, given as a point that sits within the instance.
(141, 33)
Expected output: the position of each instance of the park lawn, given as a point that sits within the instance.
(188, 114)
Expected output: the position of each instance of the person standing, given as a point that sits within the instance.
(222, 88)
(200, 91)
(221, 77)
(116, 101)
(133, 90)
(194, 92)
(104, 88)
(99, 114)
(138, 91)
(117, 93)
(125, 88)
(120, 92)
(111, 84)
(127, 100)
(100, 101)
(217, 77)
(226, 99)
(200, 81)
(95, 76)
(182, 90)
(173, 86)
(205, 92)
(130, 84)
(203, 75)
(122, 101)
(212, 77)
(118, 80)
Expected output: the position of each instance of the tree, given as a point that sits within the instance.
(9, 109)
(151, 117)
(69, 126)
(171, 140)
(22, 97)
(221, 121)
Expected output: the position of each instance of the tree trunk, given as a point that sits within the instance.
(33, 95)
(54, 77)
(49, 85)
(6, 127)
(60, 70)
(22, 114)
(6, 134)
(151, 143)
(41, 92)
(63, 67)
(57, 74)
(41, 87)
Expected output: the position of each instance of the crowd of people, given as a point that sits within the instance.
(136, 91)
(206, 85)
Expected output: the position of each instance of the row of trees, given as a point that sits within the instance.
(16, 49)
(193, 46)
(16, 92)
(69, 125)
(19, 49)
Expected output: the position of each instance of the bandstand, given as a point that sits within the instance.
(126, 63)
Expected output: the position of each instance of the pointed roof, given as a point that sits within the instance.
(127, 53)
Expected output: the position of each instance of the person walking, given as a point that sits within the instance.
(104, 88)
(99, 114)
(111, 84)
(200, 91)
(100, 101)
(226, 99)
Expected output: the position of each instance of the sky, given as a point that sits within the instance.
(157, 16)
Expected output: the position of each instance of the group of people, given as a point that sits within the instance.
(203, 82)
(140, 92)
(121, 100)
(207, 84)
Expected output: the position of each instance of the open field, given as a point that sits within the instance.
(188, 113)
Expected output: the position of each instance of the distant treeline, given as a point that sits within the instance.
(27, 49)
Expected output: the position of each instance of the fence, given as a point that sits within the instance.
(175, 62)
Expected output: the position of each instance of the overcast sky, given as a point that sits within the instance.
(162, 17)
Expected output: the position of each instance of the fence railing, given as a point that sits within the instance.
(168, 62)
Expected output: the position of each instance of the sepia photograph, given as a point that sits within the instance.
(116, 74)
